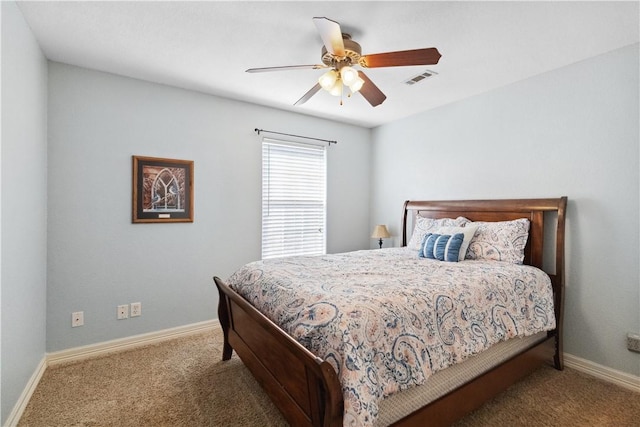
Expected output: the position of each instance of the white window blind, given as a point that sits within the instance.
(293, 199)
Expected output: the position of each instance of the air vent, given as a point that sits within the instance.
(420, 77)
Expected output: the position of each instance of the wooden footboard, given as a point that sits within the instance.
(306, 389)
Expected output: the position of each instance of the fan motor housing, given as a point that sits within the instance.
(352, 53)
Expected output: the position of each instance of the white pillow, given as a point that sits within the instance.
(500, 240)
(429, 225)
(469, 230)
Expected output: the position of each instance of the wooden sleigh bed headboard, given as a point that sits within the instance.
(306, 389)
(499, 210)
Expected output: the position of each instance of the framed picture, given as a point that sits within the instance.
(162, 190)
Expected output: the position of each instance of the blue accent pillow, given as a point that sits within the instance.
(442, 247)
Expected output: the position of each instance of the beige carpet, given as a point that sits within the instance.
(184, 383)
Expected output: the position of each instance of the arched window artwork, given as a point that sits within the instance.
(162, 190)
(166, 192)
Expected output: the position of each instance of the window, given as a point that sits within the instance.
(293, 198)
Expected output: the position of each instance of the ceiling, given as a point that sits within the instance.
(207, 46)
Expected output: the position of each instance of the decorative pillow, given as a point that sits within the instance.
(429, 225)
(500, 241)
(443, 247)
(468, 230)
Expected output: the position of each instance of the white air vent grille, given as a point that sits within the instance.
(420, 77)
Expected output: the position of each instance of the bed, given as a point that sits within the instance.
(308, 389)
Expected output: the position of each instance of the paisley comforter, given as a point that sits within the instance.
(386, 319)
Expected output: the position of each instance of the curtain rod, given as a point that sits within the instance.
(297, 136)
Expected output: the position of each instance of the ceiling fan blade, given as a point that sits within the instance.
(331, 35)
(370, 91)
(427, 56)
(286, 68)
(308, 95)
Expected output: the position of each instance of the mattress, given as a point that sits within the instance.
(395, 407)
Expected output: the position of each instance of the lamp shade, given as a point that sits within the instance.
(348, 75)
(380, 232)
(357, 85)
(336, 90)
(328, 79)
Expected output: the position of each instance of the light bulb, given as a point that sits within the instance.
(357, 85)
(348, 75)
(328, 80)
(336, 90)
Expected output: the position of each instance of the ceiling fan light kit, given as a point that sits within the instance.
(340, 53)
(332, 81)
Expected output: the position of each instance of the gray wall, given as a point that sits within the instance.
(24, 200)
(573, 132)
(99, 259)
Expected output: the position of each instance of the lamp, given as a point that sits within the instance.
(380, 232)
(328, 79)
(335, 79)
(356, 85)
(336, 90)
(348, 75)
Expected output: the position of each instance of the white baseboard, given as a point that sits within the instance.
(610, 375)
(21, 404)
(106, 347)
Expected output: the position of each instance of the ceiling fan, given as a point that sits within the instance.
(340, 53)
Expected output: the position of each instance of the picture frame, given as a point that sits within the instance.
(162, 190)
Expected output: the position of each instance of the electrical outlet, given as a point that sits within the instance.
(123, 311)
(633, 342)
(136, 309)
(77, 319)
